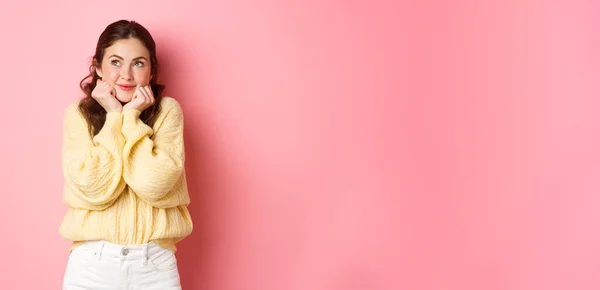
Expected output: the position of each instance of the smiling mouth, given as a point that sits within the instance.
(126, 88)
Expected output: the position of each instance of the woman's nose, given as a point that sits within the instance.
(126, 74)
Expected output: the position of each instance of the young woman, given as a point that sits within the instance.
(123, 164)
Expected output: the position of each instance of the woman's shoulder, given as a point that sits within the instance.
(73, 104)
(168, 103)
(73, 108)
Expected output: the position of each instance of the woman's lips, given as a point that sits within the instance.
(126, 88)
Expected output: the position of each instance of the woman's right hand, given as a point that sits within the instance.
(104, 93)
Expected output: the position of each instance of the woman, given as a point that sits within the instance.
(123, 164)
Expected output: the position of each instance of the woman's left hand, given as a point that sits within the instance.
(142, 99)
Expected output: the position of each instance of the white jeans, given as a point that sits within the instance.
(101, 265)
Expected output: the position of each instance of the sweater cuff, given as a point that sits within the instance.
(112, 124)
(130, 117)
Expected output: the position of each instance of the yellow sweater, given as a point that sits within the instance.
(127, 184)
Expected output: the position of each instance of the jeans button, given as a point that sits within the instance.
(125, 251)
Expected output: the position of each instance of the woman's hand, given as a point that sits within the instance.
(105, 94)
(142, 99)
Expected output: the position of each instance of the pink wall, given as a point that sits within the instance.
(336, 144)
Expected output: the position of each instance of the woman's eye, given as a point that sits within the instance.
(115, 62)
(139, 64)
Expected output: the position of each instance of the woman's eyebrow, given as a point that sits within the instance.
(121, 58)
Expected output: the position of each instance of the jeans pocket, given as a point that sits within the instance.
(82, 269)
(164, 260)
(81, 256)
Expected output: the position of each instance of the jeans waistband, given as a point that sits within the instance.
(111, 250)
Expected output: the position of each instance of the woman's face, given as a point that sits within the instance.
(126, 65)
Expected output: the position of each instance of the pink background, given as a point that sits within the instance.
(335, 145)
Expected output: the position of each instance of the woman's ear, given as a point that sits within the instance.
(96, 67)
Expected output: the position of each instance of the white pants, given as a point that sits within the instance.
(101, 265)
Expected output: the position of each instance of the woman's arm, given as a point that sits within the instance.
(154, 160)
(92, 167)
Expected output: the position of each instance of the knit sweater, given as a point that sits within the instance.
(127, 184)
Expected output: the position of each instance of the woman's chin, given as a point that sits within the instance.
(124, 99)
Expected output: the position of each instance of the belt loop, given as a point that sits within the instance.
(99, 254)
(145, 254)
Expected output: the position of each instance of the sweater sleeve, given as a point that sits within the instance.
(154, 160)
(92, 167)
